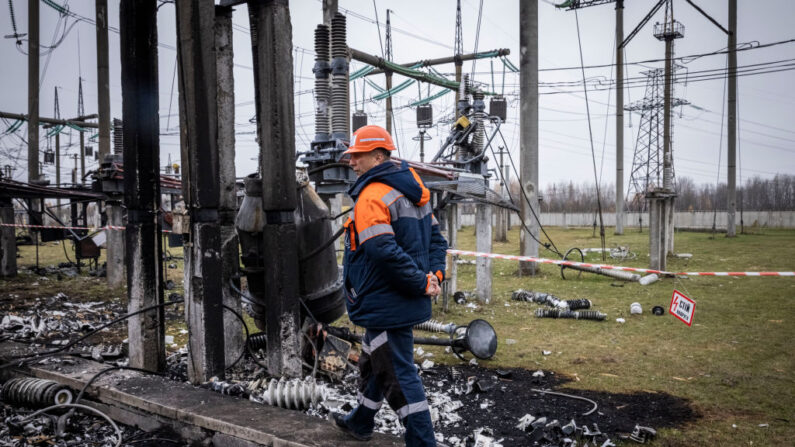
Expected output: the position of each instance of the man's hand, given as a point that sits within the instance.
(433, 288)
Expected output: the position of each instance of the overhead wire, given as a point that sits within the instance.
(590, 134)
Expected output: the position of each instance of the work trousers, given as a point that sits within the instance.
(387, 371)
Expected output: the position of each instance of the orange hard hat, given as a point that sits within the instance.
(367, 138)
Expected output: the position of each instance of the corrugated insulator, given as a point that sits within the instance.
(292, 394)
(435, 326)
(581, 303)
(339, 38)
(322, 49)
(35, 393)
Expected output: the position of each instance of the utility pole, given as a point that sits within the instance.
(273, 78)
(138, 29)
(33, 93)
(199, 131)
(388, 56)
(458, 50)
(619, 117)
(502, 213)
(731, 230)
(528, 128)
(113, 206)
(227, 205)
(103, 79)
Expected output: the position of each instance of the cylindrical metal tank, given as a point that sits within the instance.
(320, 278)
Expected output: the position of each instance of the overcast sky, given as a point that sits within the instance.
(425, 29)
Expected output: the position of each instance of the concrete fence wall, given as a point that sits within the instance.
(683, 219)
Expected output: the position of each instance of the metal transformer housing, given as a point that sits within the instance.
(320, 278)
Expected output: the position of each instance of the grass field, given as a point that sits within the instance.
(734, 364)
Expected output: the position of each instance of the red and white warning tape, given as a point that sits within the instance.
(106, 227)
(610, 267)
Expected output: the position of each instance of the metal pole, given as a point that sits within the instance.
(58, 167)
(528, 128)
(619, 117)
(225, 84)
(389, 102)
(731, 230)
(138, 29)
(273, 76)
(82, 157)
(199, 129)
(103, 79)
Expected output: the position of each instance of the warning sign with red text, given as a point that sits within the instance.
(682, 307)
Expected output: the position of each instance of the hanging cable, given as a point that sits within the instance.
(554, 248)
(524, 225)
(720, 152)
(590, 134)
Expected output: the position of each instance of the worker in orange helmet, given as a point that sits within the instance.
(394, 263)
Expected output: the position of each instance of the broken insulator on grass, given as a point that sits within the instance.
(577, 304)
(576, 315)
(436, 326)
(292, 394)
(35, 393)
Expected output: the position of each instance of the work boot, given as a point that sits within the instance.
(338, 419)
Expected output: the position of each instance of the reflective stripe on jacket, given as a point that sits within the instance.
(391, 243)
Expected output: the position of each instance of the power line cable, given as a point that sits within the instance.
(590, 133)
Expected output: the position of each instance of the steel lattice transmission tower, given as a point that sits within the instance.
(647, 163)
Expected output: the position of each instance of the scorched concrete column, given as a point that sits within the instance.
(138, 26)
(273, 77)
(233, 329)
(199, 130)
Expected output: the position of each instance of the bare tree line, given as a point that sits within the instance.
(757, 193)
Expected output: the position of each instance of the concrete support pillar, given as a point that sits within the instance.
(452, 242)
(273, 79)
(33, 91)
(115, 243)
(483, 243)
(528, 130)
(8, 241)
(731, 124)
(227, 209)
(139, 83)
(199, 130)
(661, 215)
(103, 80)
(619, 117)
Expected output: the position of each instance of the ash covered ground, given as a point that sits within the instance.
(470, 404)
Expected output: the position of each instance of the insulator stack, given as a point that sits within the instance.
(579, 304)
(118, 136)
(339, 77)
(436, 326)
(576, 315)
(292, 394)
(35, 393)
(322, 88)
